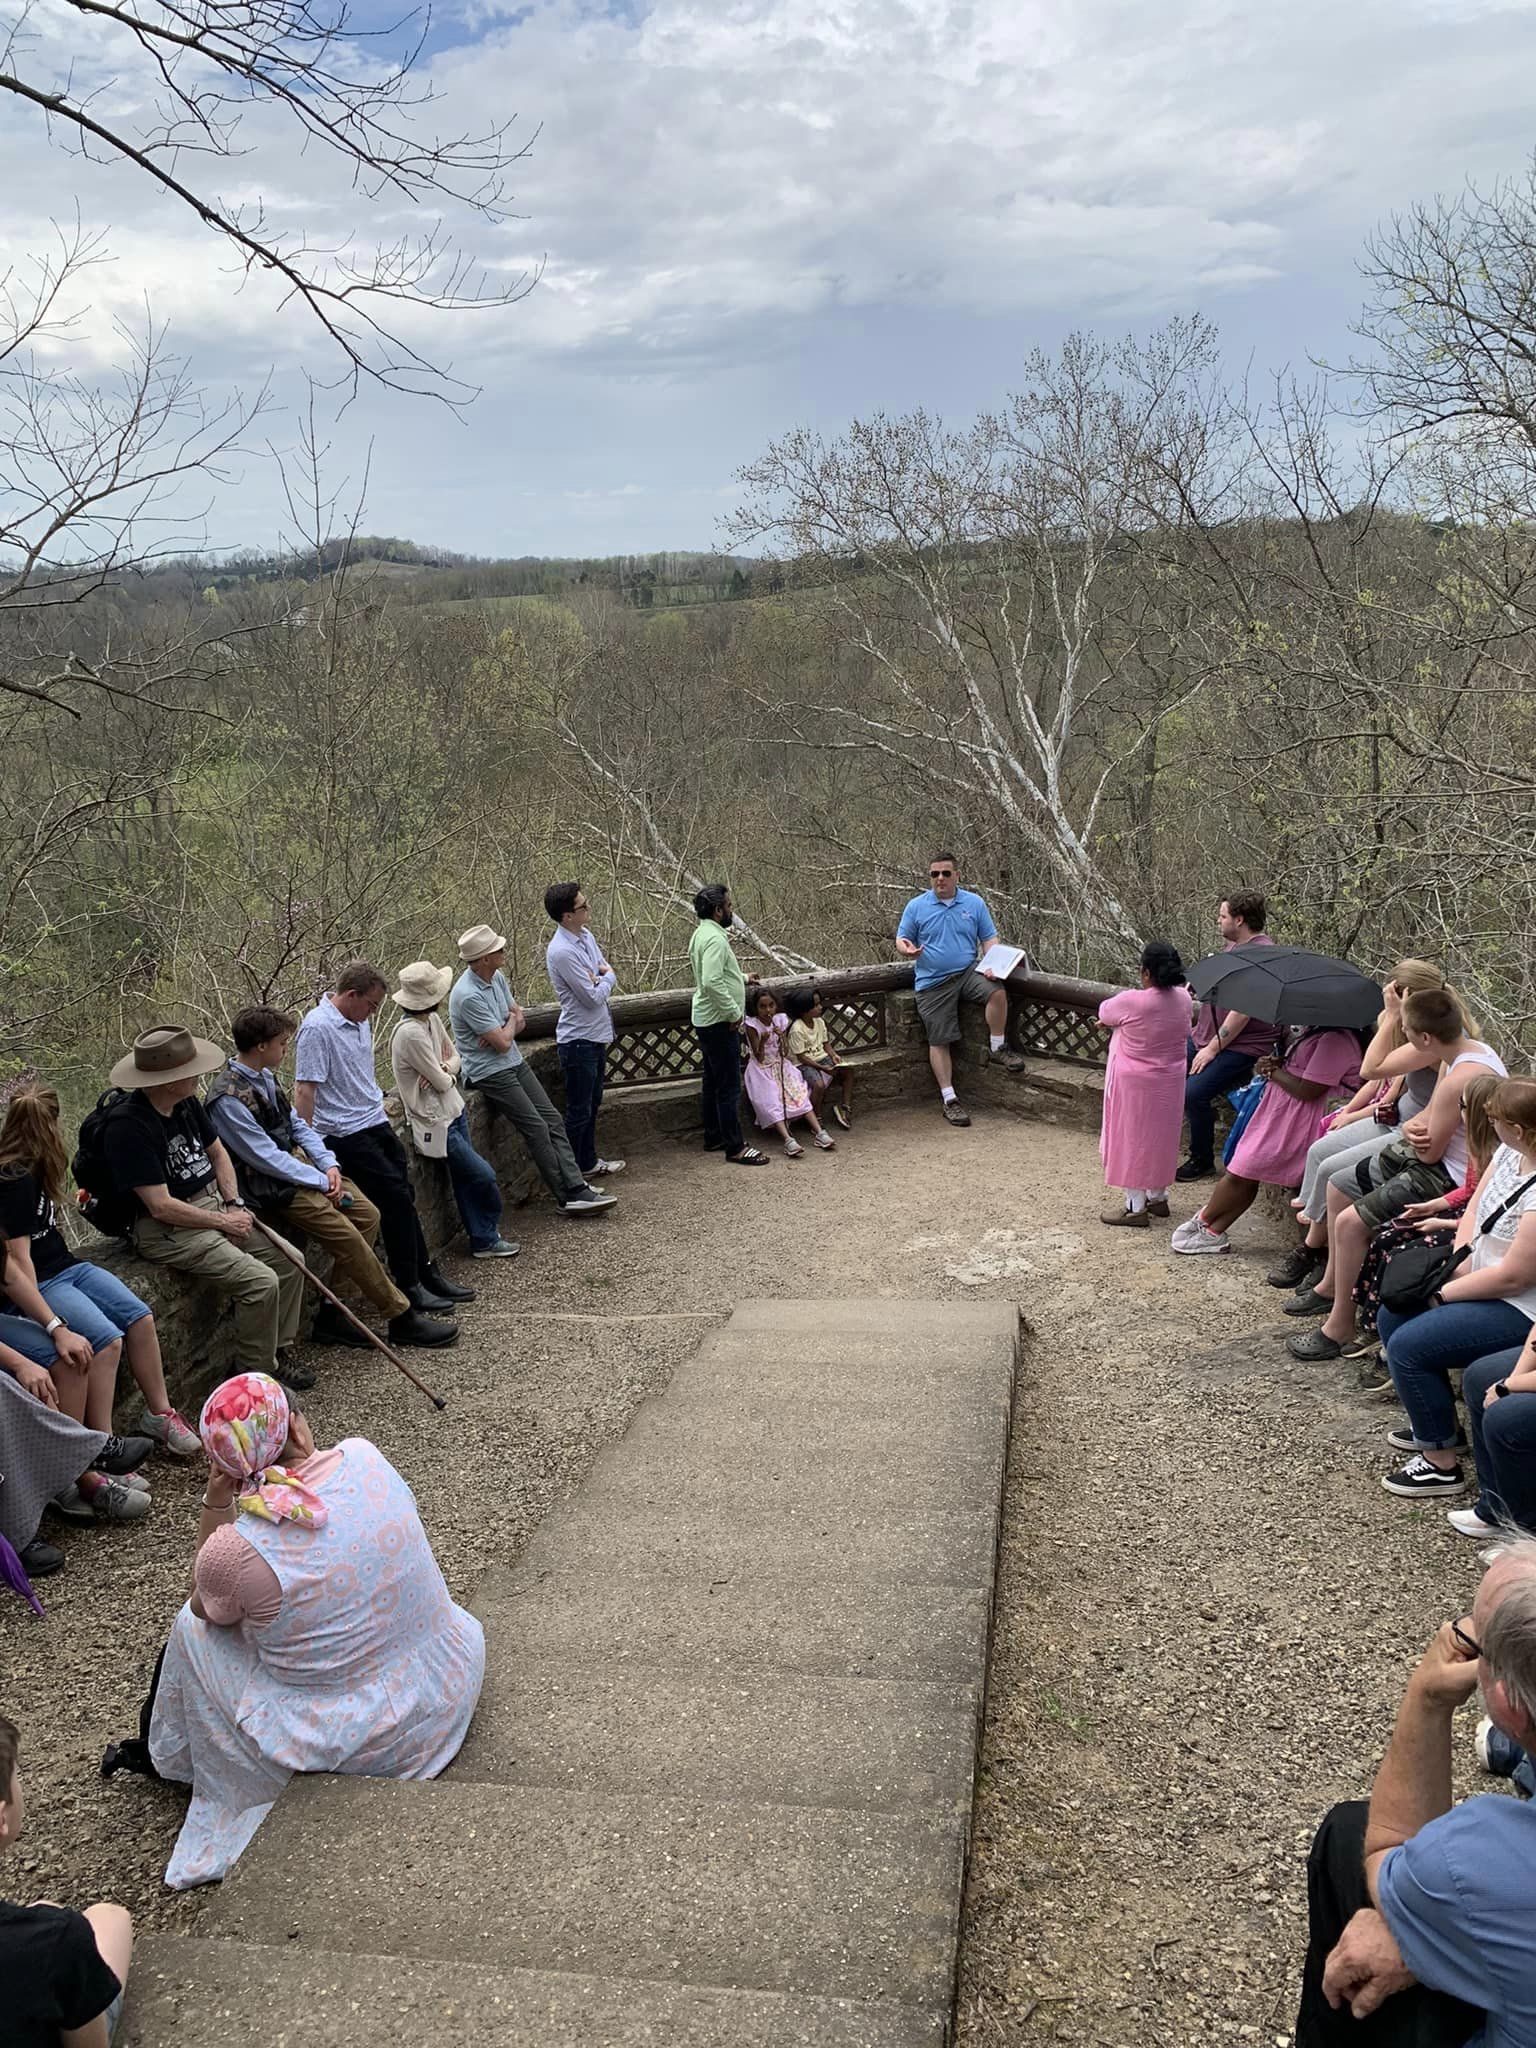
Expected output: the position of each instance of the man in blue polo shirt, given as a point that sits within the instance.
(1419, 1909)
(946, 931)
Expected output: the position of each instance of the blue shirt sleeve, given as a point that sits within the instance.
(1454, 1897)
(311, 1055)
(908, 928)
(248, 1141)
(985, 928)
(478, 1009)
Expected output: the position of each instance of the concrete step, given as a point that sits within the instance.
(871, 1628)
(234, 1994)
(883, 1746)
(818, 1903)
(916, 1377)
(948, 1323)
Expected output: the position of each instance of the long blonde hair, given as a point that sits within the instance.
(1477, 1116)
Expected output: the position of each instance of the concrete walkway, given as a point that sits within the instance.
(718, 1791)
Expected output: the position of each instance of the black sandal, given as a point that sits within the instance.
(749, 1156)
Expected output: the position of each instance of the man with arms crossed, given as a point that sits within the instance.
(946, 930)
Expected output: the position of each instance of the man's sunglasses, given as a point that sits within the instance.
(939, 874)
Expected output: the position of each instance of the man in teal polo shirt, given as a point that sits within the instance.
(946, 931)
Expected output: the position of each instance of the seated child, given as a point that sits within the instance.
(63, 1972)
(775, 1085)
(807, 1046)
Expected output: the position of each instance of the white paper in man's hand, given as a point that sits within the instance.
(1000, 961)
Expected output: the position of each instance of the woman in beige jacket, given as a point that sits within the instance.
(426, 1077)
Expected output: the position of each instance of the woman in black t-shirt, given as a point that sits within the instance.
(70, 1319)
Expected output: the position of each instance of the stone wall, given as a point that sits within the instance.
(195, 1327)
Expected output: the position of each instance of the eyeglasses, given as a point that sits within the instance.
(1465, 1641)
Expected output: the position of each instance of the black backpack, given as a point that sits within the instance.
(104, 1205)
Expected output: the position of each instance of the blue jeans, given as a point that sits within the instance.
(1503, 1442)
(582, 1062)
(1204, 1090)
(475, 1186)
(1423, 1350)
(94, 1303)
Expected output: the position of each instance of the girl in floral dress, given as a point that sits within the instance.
(775, 1085)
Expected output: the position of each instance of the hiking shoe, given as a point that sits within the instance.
(290, 1373)
(415, 1332)
(1405, 1440)
(1193, 1237)
(503, 1248)
(1013, 1062)
(1192, 1169)
(606, 1168)
(1419, 1478)
(41, 1559)
(825, 1142)
(1298, 1267)
(1308, 1302)
(1126, 1219)
(172, 1432)
(331, 1327)
(1468, 1522)
(112, 1501)
(586, 1199)
(450, 1290)
(121, 1454)
(841, 1117)
(1316, 1346)
(954, 1114)
(1159, 1208)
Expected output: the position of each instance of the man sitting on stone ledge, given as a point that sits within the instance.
(1420, 1930)
(160, 1146)
(486, 1022)
(290, 1177)
(946, 931)
(336, 1090)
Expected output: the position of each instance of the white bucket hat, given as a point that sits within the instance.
(421, 986)
(479, 940)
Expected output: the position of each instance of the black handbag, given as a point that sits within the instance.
(1414, 1274)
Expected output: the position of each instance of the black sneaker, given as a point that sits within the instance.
(289, 1373)
(121, 1454)
(450, 1290)
(415, 1332)
(1403, 1440)
(1193, 1170)
(41, 1559)
(332, 1327)
(1418, 1479)
(1374, 1376)
(1298, 1267)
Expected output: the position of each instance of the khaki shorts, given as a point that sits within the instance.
(939, 1006)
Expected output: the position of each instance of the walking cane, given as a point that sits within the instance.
(356, 1321)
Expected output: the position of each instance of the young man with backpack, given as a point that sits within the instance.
(153, 1156)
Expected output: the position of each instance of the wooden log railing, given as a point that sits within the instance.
(1051, 1016)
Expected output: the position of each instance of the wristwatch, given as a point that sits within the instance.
(1501, 1388)
(58, 1323)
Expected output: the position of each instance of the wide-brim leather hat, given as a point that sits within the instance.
(479, 940)
(421, 986)
(166, 1053)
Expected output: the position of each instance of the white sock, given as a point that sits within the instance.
(1135, 1200)
(1157, 1194)
(948, 1094)
(997, 1043)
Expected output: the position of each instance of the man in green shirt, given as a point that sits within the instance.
(719, 999)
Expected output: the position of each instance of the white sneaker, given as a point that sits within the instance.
(1468, 1522)
(793, 1149)
(1193, 1237)
(172, 1432)
(825, 1142)
(605, 1169)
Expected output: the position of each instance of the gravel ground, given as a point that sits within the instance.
(1206, 1610)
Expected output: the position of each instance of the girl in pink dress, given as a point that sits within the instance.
(1144, 1086)
(1318, 1072)
(775, 1085)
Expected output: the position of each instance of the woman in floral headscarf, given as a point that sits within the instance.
(319, 1637)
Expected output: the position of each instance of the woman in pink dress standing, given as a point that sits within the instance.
(1144, 1087)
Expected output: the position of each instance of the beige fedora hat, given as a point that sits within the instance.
(421, 986)
(479, 940)
(163, 1054)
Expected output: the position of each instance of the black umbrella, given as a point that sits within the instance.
(1287, 985)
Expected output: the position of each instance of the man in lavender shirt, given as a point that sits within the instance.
(583, 981)
(1226, 1045)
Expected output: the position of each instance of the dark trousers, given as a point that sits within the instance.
(1336, 1891)
(582, 1062)
(375, 1159)
(1203, 1091)
(1503, 1442)
(720, 1047)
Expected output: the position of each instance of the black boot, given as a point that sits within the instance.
(427, 1300)
(416, 1332)
(332, 1327)
(451, 1288)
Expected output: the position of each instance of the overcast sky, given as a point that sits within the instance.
(753, 214)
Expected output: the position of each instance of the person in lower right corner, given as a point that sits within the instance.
(64, 1972)
(812, 1052)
